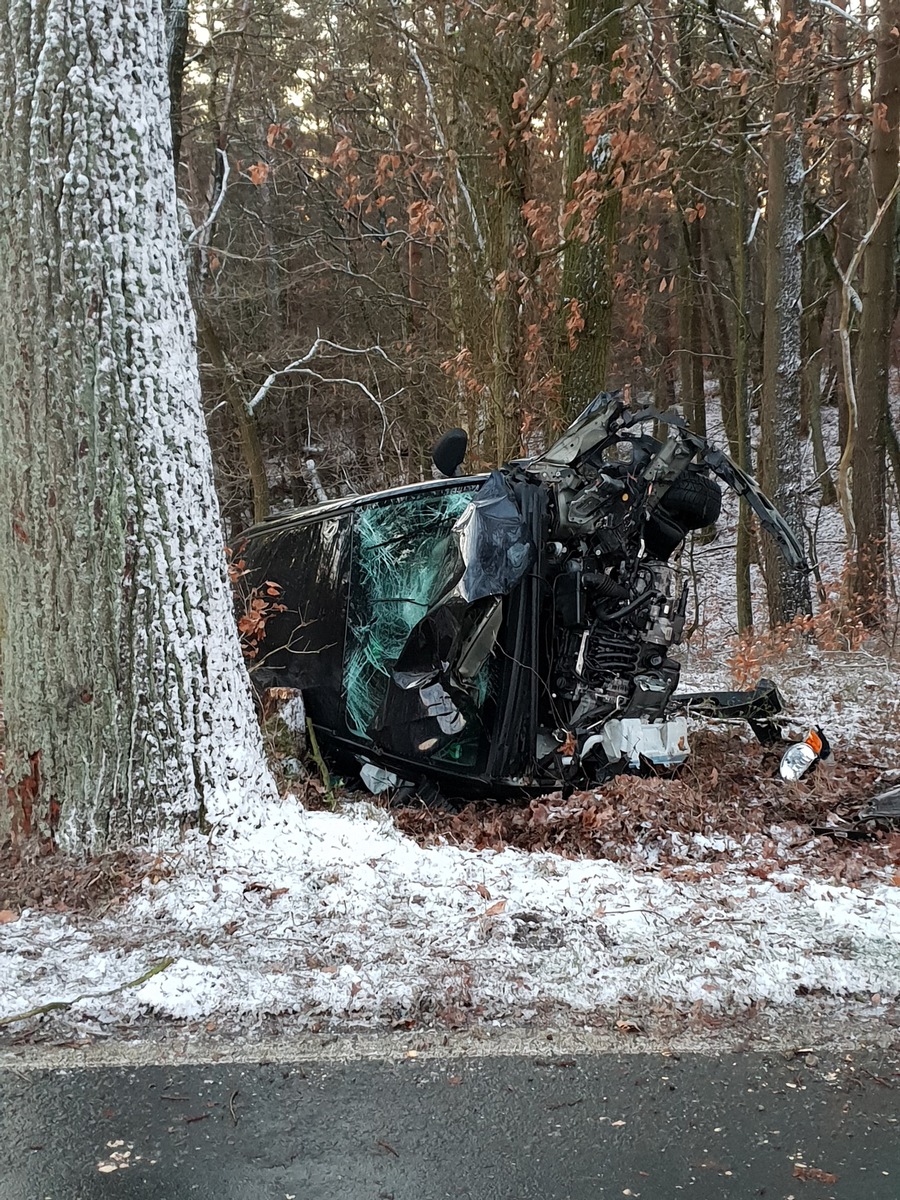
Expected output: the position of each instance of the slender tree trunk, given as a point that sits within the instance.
(720, 339)
(876, 322)
(251, 447)
(505, 235)
(845, 172)
(589, 255)
(741, 389)
(812, 390)
(780, 459)
(744, 551)
(510, 252)
(127, 709)
(690, 314)
(177, 21)
(461, 267)
(273, 267)
(690, 258)
(662, 49)
(815, 307)
(664, 340)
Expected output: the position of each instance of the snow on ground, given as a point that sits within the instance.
(854, 696)
(340, 919)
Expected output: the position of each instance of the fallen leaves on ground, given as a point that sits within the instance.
(63, 884)
(815, 1174)
(729, 789)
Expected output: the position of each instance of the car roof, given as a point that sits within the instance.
(346, 504)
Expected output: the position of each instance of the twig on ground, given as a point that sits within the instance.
(321, 766)
(63, 1005)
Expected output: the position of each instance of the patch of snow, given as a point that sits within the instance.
(338, 918)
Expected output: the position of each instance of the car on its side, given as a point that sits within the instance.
(507, 633)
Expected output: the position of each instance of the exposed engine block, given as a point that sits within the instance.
(619, 607)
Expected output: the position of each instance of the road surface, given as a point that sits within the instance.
(535, 1126)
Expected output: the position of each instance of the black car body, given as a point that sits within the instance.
(506, 633)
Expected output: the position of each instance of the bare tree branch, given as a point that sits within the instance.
(204, 228)
(837, 11)
(298, 367)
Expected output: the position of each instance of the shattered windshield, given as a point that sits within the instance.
(404, 553)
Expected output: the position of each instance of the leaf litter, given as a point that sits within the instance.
(727, 793)
(707, 895)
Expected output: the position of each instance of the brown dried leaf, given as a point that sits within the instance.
(259, 173)
(813, 1173)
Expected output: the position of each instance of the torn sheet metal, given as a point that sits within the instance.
(882, 811)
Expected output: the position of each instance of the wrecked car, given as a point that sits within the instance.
(509, 633)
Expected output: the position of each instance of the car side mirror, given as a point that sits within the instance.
(449, 451)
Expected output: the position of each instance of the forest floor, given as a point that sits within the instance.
(703, 898)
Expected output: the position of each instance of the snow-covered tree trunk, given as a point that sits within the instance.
(127, 709)
(780, 459)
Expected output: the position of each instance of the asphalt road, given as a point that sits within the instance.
(511, 1128)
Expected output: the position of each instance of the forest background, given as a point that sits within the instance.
(409, 216)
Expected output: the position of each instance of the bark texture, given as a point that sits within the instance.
(780, 461)
(510, 253)
(590, 230)
(744, 553)
(127, 709)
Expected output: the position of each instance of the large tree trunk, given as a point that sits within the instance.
(868, 479)
(127, 710)
(780, 460)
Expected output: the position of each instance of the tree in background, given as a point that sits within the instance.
(592, 202)
(879, 309)
(127, 708)
(780, 460)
